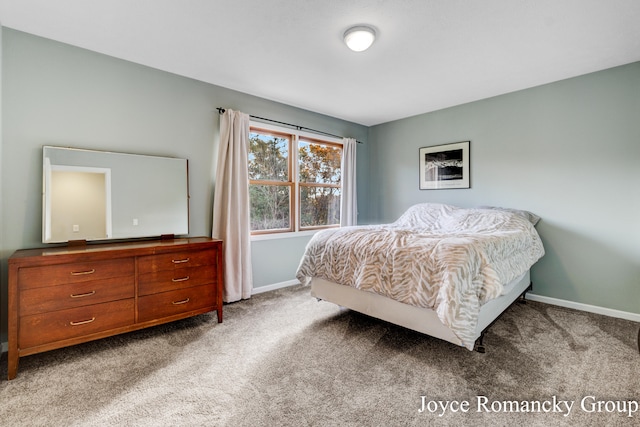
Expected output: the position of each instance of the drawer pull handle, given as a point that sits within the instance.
(82, 322)
(80, 273)
(88, 294)
(180, 302)
(181, 279)
(180, 261)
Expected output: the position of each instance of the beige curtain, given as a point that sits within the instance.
(349, 200)
(231, 205)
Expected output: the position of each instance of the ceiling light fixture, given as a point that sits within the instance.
(359, 38)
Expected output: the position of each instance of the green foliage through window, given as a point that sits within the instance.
(315, 188)
(268, 158)
(319, 206)
(269, 207)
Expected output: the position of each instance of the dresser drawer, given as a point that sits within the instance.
(61, 297)
(181, 259)
(51, 275)
(162, 281)
(55, 326)
(152, 307)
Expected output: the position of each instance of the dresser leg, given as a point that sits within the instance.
(12, 368)
(219, 311)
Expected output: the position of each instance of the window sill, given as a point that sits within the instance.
(258, 237)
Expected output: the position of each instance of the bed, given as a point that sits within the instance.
(441, 270)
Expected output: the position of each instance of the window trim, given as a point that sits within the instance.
(295, 135)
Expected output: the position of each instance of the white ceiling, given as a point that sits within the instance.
(429, 54)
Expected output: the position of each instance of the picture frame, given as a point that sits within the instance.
(445, 166)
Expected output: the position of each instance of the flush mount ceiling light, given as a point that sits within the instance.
(359, 38)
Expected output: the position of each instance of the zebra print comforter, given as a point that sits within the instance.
(435, 256)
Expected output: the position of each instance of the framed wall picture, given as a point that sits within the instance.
(445, 166)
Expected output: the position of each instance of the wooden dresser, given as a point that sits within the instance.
(69, 295)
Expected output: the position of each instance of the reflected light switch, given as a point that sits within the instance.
(135, 221)
(76, 228)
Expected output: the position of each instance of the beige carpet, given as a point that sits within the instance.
(282, 358)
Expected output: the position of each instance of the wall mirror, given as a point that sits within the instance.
(99, 195)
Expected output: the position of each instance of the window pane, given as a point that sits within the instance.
(319, 163)
(269, 207)
(268, 157)
(319, 206)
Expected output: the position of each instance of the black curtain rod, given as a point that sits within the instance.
(222, 110)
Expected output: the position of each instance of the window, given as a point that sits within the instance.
(294, 180)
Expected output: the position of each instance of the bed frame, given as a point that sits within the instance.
(419, 319)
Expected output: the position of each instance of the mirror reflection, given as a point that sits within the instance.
(98, 195)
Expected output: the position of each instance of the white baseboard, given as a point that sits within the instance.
(635, 317)
(585, 307)
(275, 286)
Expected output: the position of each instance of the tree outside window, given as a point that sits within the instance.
(294, 182)
(320, 176)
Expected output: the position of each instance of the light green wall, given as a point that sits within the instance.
(56, 94)
(275, 270)
(568, 151)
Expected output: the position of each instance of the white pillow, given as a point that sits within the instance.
(529, 216)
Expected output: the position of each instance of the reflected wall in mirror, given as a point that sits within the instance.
(100, 195)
